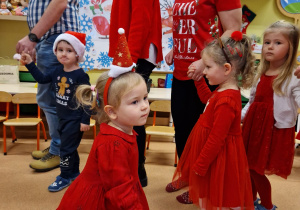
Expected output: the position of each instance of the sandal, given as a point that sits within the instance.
(176, 185)
(184, 198)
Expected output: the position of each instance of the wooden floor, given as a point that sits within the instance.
(22, 188)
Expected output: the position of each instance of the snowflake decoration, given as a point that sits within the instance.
(88, 63)
(171, 67)
(83, 2)
(68, 91)
(161, 64)
(85, 23)
(58, 78)
(71, 80)
(170, 42)
(89, 43)
(104, 59)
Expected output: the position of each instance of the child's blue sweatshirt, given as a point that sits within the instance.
(64, 84)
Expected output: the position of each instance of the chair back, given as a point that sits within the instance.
(5, 96)
(160, 106)
(25, 98)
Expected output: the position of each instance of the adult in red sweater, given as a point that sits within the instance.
(142, 23)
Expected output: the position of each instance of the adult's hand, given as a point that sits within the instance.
(297, 72)
(169, 58)
(195, 70)
(27, 46)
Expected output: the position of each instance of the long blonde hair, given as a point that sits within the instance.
(291, 33)
(239, 54)
(118, 87)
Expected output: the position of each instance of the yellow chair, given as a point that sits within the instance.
(24, 98)
(5, 98)
(160, 106)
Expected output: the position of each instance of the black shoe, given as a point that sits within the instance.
(142, 174)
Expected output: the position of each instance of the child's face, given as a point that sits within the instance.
(214, 72)
(275, 48)
(134, 108)
(66, 54)
(3, 5)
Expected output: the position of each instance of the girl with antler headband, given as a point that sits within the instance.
(195, 23)
(214, 161)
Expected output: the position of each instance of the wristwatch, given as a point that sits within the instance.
(33, 37)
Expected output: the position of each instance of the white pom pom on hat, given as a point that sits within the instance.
(76, 39)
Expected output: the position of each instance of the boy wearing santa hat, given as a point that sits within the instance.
(69, 48)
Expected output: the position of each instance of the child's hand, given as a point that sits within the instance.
(195, 70)
(84, 127)
(25, 58)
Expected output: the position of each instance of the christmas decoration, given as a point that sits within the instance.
(247, 18)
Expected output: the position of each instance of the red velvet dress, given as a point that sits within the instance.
(110, 177)
(269, 150)
(214, 161)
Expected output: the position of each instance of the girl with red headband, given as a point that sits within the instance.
(214, 162)
(110, 178)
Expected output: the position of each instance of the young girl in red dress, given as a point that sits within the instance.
(110, 178)
(271, 113)
(214, 161)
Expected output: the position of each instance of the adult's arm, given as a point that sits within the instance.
(51, 15)
(231, 21)
(139, 26)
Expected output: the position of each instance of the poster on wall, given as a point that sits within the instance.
(94, 16)
(290, 6)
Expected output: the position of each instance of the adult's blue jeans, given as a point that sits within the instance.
(47, 62)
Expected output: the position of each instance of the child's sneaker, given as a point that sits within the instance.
(39, 154)
(176, 185)
(256, 201)
(59, 184)
(261, 207)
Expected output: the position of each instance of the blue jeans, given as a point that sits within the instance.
(47, 62)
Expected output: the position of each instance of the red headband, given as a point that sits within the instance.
(105, 93)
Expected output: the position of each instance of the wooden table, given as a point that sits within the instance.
(29, 87)
(155, 93)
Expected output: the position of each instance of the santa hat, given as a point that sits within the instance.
(77, 40)
(122, 62)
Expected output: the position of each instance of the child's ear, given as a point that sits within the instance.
(109, 110)
(228, 68)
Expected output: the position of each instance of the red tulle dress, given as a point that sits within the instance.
(269, 150)
(214, 161)
(110, 179)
